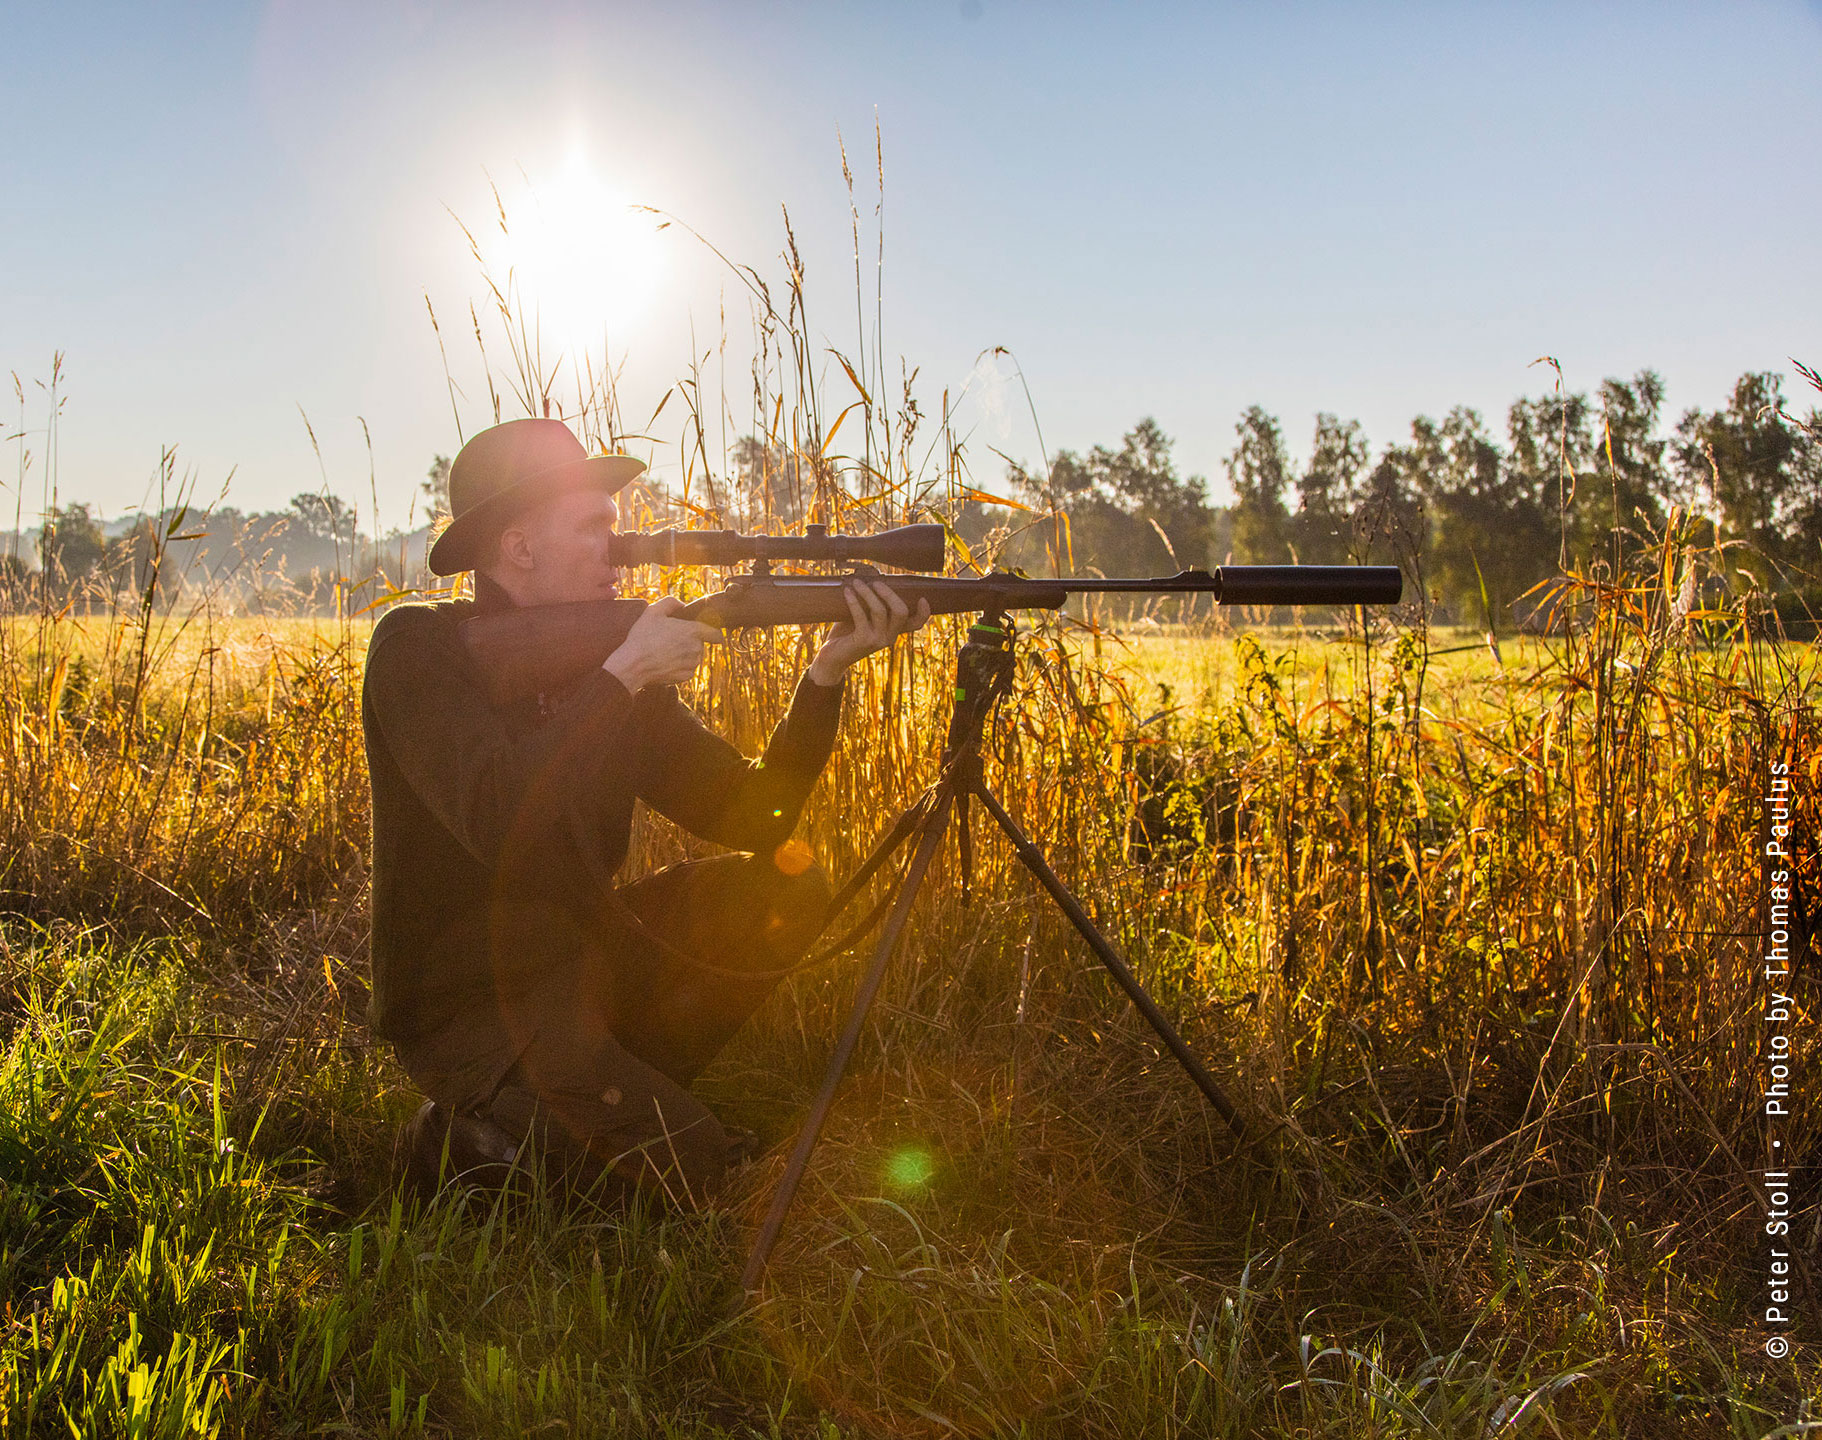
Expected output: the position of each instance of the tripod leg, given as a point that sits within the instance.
(1108, 956)
(902, 828)
(928, 840)
(964, 837)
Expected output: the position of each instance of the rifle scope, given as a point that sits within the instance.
(909, 547)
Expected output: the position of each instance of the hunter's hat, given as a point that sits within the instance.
(510, 466)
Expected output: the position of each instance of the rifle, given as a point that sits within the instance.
(538, 649)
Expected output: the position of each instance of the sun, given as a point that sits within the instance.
(584, 260)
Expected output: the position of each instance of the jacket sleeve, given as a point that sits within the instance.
(473, 773)
(692, 776)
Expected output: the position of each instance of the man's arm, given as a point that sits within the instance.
(692, 776)
(703, 783)
(471, 771)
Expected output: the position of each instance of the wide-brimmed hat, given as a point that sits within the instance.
(510, 466)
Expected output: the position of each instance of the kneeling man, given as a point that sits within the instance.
(525, 993)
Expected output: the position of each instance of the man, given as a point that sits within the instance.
(526, 994)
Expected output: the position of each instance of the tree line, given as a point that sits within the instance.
(1579, 482)
(295, 560)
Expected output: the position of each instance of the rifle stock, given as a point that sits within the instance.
(537, 649)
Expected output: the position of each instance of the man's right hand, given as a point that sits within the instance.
(660, 649)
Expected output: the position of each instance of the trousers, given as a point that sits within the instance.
(612, 1044)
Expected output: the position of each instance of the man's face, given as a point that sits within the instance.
(560, 550)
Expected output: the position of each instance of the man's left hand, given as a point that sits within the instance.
(879, 616)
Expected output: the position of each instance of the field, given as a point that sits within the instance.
(1474, 940)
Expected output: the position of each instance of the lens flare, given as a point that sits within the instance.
(793, 857)
(909, 1169)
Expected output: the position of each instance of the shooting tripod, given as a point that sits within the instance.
(983, 670)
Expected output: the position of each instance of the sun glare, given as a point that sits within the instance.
(583, 258)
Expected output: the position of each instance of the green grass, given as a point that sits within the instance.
(189, 1246)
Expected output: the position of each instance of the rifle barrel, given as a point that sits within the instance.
(1263, 584)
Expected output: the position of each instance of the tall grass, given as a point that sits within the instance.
(1475, 943)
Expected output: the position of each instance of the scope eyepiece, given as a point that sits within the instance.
(908, 547)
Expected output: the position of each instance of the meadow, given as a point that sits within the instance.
(1471, 931)
(1471, 939)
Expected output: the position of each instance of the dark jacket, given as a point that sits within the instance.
(497, 834)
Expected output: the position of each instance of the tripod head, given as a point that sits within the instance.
(983, 669)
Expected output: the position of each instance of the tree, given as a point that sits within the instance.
(1331, 488)
(70, 547)
(316, 548)
(138, 562)
(1488, 538)
(1804, 502)
(1754, 472)
(1129, 511)
(1144, 483)
(1259, 471)
(1552, 460)
(1388, 525)
(324, 517)
(435, 487)
(1631, 461)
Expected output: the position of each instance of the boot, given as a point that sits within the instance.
(441, 1146)
(743, 1146)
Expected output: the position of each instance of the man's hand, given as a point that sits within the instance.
(880, 616)
(660, 649)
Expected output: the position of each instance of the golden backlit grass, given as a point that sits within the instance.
(1472, 942)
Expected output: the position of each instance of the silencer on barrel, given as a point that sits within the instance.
(1310, 584)
(908, 547)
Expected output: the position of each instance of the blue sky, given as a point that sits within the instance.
(224, 215)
